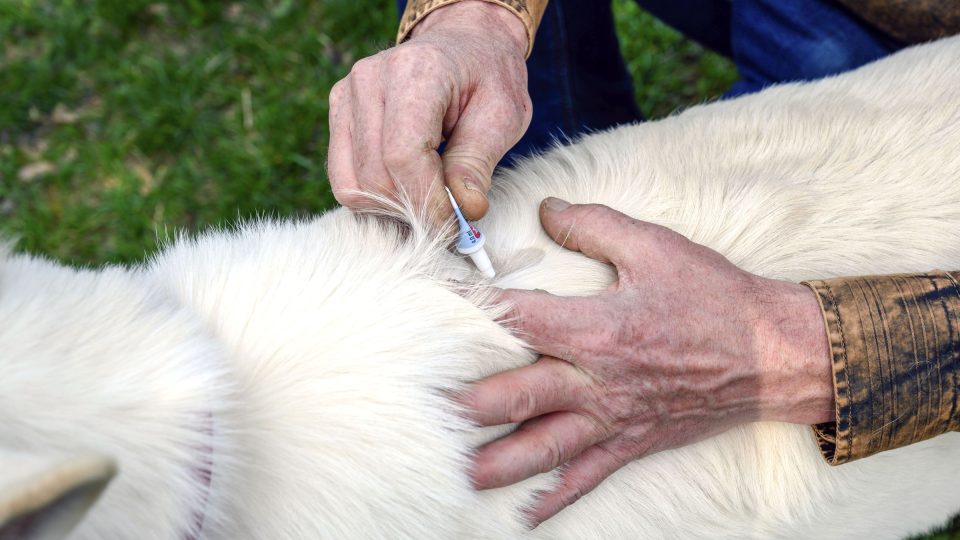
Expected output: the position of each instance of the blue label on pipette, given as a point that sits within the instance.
(469, 236)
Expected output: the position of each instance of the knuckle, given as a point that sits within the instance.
(397, 60)
(663, 234)
(414, 54)
(364, 77)
(619, 412)
(666, 241)
(404, 52)
(336, 97)
(600, 423)
(605, 339)
(396, 159)
(426, 52)
(363, 69)
(594, 209)
(336, 92)
(572, 495)
(524, 404)
(551, 454)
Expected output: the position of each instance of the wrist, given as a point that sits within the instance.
(492, 18)
(793, 353)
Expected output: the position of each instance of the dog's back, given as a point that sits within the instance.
(337, 342)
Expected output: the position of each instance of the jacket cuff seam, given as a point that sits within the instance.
(833, 438)
(417, 11)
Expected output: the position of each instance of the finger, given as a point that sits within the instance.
(556, 326)
(597, 231)
(412, 131)
(367, 107)
(340, 170)
(548, 385)
(484, 132)
(538, 446)
(579, 477)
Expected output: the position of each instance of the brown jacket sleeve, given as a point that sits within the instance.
(910, 21)
(529, 11)
(895, 343)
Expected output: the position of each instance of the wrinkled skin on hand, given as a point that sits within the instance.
(682, 347)
(460, 78)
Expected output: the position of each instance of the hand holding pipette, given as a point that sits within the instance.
(470, 241)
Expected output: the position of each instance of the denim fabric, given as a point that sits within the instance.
(896, 361)
(775, 41)
(578, 80)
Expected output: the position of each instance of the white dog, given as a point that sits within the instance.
(293, 379)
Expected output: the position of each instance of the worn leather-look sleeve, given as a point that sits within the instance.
(529, 11)
(895, 343)
(910, 21)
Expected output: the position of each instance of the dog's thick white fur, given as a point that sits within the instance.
(293, 379)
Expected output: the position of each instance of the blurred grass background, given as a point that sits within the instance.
(124, 121)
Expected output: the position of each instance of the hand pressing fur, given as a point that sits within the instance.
(682, 347)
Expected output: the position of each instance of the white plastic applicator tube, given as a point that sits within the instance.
(470, 241)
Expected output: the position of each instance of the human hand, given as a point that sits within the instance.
(462, 78)
(682, 347)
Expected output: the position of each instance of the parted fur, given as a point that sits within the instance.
(293, 379)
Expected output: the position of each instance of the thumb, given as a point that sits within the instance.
(597, 231)
(478, 142)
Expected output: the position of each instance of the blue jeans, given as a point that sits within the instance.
(578, 81)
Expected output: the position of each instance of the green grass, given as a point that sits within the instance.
(125, 121)
(669, 72)
(149, 117)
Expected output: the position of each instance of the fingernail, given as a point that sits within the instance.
(555, 205)
(472, 184)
